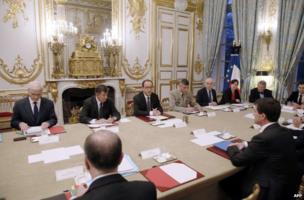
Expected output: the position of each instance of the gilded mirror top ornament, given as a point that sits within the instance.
(14, 8)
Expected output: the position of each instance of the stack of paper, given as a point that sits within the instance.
(34, 130)
(157, 118)
(55, 155)
(222, 145)
(206, 139)
(127, 166)
(113, 129)
(171, 123)
(218, 107)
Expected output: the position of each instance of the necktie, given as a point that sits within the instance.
(300, 99)
(100, 110)
(210, 97)
(148, 104)
(35, 111)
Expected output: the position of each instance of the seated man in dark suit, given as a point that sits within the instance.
(296, 99)
(103, 154)
(33, 110)
(259, 92)
(232, 94)
(146, 102)
(207, 95)
(269, 158)
(98, 108)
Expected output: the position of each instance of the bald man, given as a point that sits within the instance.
(207, 95)
(103, 154)
(33, 110)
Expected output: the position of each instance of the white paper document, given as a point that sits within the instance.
(218, 107)
(150, 153)
(170, 123)
(288, 109)
(180, 125)
(46, 139)
(124, 120)
(205, 140)
(35, 158)
(74, 150)
(249, 116)
(211, 114)
(214, 133)
(34, 130)
(160, 117)
(69, 173)
(54, 155)
(127, 166)
(199, 132)
(179, 172)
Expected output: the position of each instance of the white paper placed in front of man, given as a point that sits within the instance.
(179, 172)
(170, 123)
(127, 166)
(34, 130)
(218, 107)
(205, 140)
(198, 132)
(69, 173)
(54, 155)
(160, 117)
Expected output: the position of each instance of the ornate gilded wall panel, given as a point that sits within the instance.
(136, 71)
(20, 74)
(15, 7)
(137, 10)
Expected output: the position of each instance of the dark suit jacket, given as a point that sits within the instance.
(89, 110)
(227, 95)
(299, 141)
(271, 162)
(115, 187)
(255, 95)
(140, 104)
(22, 112)
(202, 97)
(293, 97)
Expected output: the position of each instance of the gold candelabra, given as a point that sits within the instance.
(57, 48)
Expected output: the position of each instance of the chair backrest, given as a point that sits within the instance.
(255, 193)
(173, 84)
(165, 103)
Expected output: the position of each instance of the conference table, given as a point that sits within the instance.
(21, 180)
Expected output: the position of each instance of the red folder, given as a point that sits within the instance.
(221, 152)
(163, 181)
(56, 130)
(147, 119)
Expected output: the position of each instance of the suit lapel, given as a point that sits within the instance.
(107, 180)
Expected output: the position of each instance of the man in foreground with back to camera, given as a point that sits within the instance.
(269, 159)
(103, 154)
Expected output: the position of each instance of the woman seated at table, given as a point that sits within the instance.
(232, 94)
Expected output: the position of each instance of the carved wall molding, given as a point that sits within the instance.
(199, 14)
(198, 66)
(137, 10)
(52, 88)
(122, 87)
(89, 84)
(15, 7)
(20, 74)
(170, 4)
(137, 71)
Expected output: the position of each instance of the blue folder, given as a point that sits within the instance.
(222, 145)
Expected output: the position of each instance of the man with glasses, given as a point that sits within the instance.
(33, 110)
(146, 102)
